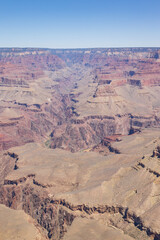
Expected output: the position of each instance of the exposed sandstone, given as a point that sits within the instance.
(18, 225)
(55, 192)
(88, 102)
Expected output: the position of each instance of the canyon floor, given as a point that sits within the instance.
(80, 144)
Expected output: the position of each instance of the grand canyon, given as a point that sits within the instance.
(80, 144)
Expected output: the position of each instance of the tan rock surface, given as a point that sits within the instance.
(89, 183)
(92, 230)
(86, 102)
(16, 225)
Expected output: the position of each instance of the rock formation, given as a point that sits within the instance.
(79, 143)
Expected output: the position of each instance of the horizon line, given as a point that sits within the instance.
(78, 48)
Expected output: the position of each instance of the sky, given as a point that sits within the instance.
(79, 23)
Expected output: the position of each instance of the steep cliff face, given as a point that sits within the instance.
(49, 216)
(103, 106)
(113, 190)
(76, 97)
(88, 132)
(17, 224)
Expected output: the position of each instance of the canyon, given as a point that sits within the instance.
(80, 144)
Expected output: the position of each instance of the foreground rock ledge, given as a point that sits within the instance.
(18, 225)
(58, 188)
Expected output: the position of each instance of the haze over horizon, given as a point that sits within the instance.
(80, 120)
(80, 24)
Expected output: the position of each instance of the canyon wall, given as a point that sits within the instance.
(79, 142)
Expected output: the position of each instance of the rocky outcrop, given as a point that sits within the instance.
(55, 192)
(103, 91)
(17, 224)
(88, 132)
(50, 216)
(77, 83)
(57, 215)
(105, 146)
(86, 101)
(156, 152)
(134, 82)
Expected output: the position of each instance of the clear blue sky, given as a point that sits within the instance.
(79, 23)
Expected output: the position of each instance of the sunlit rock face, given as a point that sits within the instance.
(79, 143)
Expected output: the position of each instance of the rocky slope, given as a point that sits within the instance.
(56, 187)
(18, 225)
(77, 97)
(102, 106)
